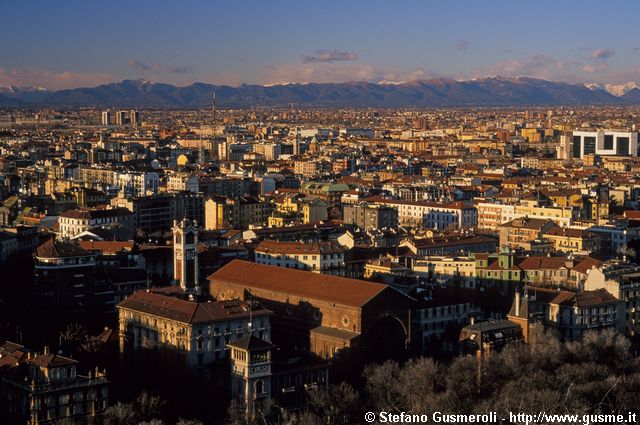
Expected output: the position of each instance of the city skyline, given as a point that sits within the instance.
(304, 213)
(79, 44)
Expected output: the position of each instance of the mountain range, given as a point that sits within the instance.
(439, 92)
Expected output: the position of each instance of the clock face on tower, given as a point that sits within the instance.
(190, 255)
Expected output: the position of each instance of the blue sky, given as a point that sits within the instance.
(61, 44)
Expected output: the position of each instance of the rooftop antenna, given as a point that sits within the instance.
(250, 324)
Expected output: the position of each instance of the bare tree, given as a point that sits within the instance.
(338, 404)
(149, 406)
(120, 414)
(182, 421)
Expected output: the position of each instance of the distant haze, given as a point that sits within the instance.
(494, 91)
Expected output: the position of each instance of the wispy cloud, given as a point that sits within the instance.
(462, 44)
(338, 73)
(534, 65)
(139, 65)
(145, 67)
(329, 56)
(50, 79)
(604, 53)
(595, 68)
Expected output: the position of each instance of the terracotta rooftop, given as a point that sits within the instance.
(451, 241)
(51, 360)
(340, 290)
(543, 263)
(58, 249)
(526, 223)
(585, 264)
(184, 311)
(570, 233)
(108, 247)
(280, 247)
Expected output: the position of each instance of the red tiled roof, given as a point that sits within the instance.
(586, 264)
(110, 247)
(59, 249)
(571, 233)
(340, 290)
(632, 215)
(542, 263)
(184, 311)
(282, 247)
(50, 360)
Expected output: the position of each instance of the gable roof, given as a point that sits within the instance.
(586, 264)
(54, 248)
(51, 360)
(174, 308)
(543, 263)
(295, 247)
(339, 290)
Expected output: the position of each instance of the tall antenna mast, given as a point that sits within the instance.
(213, 110)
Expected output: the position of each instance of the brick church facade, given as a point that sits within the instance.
(330, 316)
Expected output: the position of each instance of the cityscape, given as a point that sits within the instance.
(201, 227)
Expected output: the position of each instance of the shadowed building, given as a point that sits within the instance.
(330, 316)
(196, 330)
(44, 388)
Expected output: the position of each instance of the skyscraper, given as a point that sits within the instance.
(134, 118)
(121, 118)
(106, 117)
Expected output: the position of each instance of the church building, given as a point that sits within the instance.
(330, 316)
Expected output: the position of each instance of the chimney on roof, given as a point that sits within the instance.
(46, 349)
(517, 301)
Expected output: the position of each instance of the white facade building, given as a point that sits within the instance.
(604, 142)
(138, 183)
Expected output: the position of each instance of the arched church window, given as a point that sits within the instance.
(259, 387)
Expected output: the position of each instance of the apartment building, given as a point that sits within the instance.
(319, 257)
(439, 216)
(197, 331)
(74, 222)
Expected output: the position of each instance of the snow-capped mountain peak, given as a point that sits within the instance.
(614, 89)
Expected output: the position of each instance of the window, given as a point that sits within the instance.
(577, 147)
(608, 141)
(622, 147)
(589, 145)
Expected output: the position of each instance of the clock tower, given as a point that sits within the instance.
(250, 372)
(185, 255)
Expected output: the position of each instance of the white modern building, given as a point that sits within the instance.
(604, 142)
(136, 183)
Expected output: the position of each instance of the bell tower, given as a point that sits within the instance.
(250, 372)
(185, 255)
